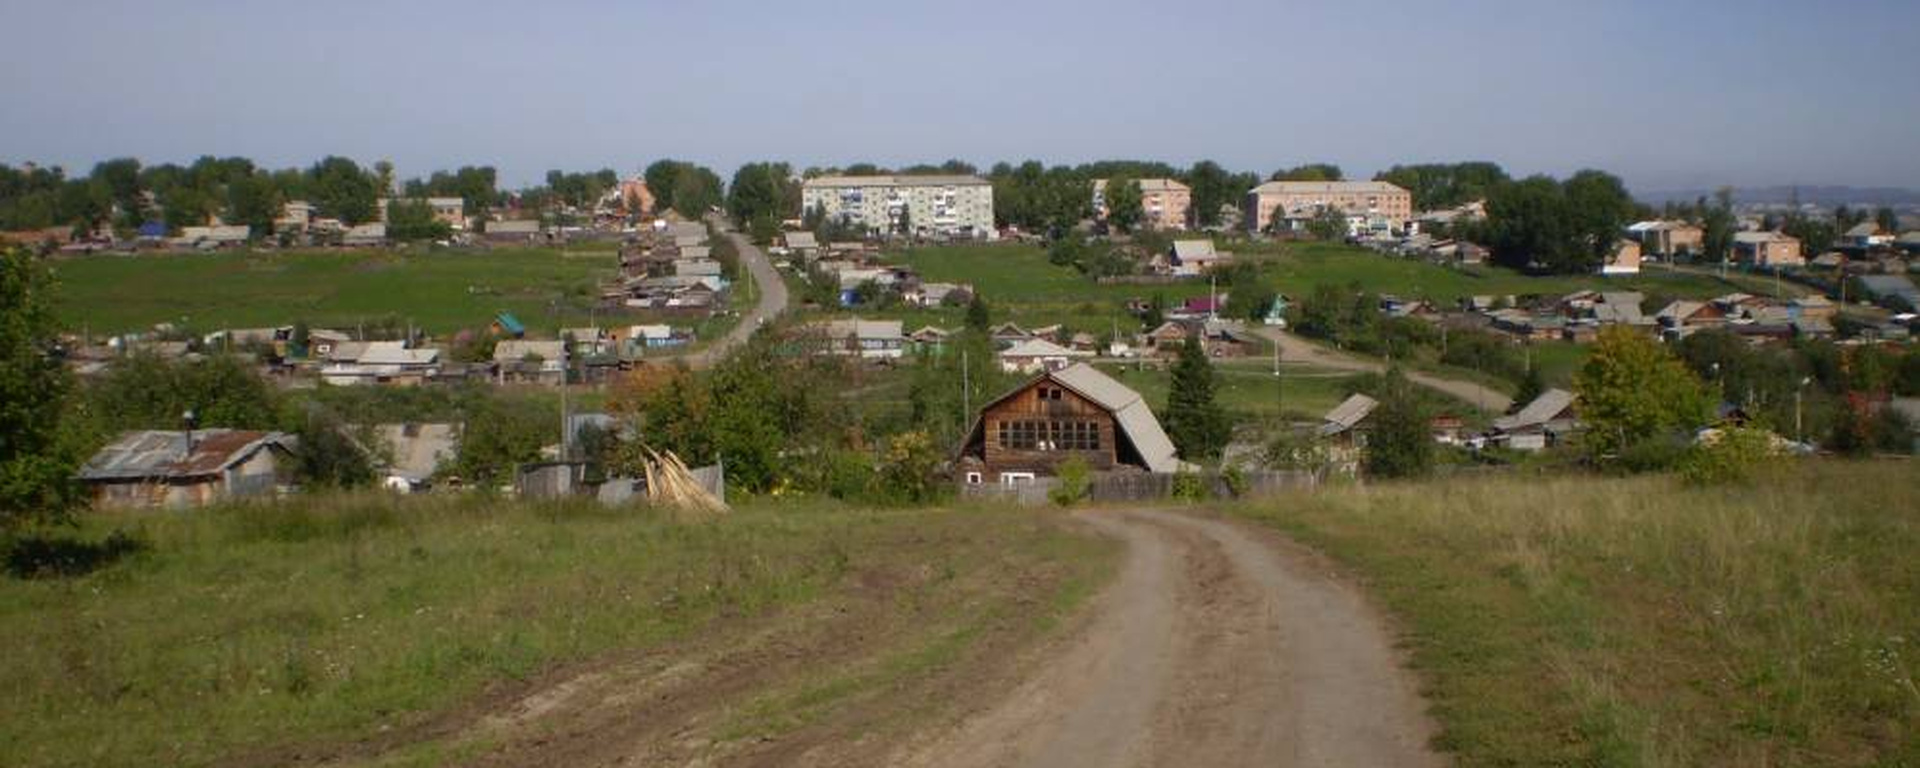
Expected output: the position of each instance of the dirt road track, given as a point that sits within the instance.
(1216, 646)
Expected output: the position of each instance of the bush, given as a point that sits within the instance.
(1727, 456)
(1235, 480)
(1188, 486)
(1075, 479)
(46, 556)
(1654, 454)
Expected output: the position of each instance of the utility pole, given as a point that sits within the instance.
(966, 393)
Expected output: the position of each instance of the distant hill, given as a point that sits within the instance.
(1823, 196)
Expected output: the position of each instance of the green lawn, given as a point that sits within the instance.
(1295, 268)
(1022, 286)
(440, 292)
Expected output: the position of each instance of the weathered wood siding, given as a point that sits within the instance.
(1066, 420)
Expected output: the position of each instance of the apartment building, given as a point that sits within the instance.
(954, 206)
(1368, 205)
(1164, 203)
(1768, 249)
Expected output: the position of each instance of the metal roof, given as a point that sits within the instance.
(1542, 410)
(1130, 412)
(1348, 414)
(162, 454)
(416, 450)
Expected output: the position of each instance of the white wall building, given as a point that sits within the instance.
(956, 206)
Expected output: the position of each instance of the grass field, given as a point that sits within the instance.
(1639, 622)
(261, 632)
(441, 292)
(1021, 285)
(1248, 391)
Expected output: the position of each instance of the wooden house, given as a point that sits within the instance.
(173, 469)
(1076, 411)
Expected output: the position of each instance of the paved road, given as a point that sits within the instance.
(769, 289)
(1216, 646)
(1294, 349)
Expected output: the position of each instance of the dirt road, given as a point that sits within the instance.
(1215, 644)
(1215, 647)
(1294, 349)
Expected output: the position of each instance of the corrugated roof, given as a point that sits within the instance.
(1349, 413)
(162, 454)
(1041, 348)
(1130, 411)
(1542, 410)
(1194, 249)
(396, 353)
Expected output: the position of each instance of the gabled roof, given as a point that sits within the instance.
(162, 454)
(801, 240)
(1041, 348)
(1864, 229)
(509, 323)
(863, 329)
(1201, 250)
(1348, 414)
(1129, 410)
(1543, 409)
(515, 350)
(396, 353)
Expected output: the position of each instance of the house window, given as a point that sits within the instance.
(973, 478)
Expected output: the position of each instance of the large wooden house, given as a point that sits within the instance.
(1075, 411)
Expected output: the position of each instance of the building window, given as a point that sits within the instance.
(1050, 435)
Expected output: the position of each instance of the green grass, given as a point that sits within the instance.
(1295, 268)
(1640, 622)
(321, 620)
(1247, 390)
(439, 291)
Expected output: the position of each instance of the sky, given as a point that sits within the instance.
(1669, 95)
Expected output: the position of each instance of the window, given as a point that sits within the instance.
(1050, 435)
(973, 478)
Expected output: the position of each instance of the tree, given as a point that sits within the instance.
(1632, 389)
(1198, 426)
(759, 190)
(1310, 172)
(1123, 201)
(35, 463)
(979, 317)
(252, 200)
(1887, 220)
(1718, 222)
(1400, 444)
(1156, 314)
(1530, 389)
(344, 191)
(1212, 187)
(413, 219)
(661, 178)
(696, 190)
(1436, 186)
(1330, 225)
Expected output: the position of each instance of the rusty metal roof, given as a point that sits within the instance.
(162, 454)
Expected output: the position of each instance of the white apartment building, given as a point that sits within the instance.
(954, 206)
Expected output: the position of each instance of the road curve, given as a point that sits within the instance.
(772, 294)
(1215, 646)
(1295, 349)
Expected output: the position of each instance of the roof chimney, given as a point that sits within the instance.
(190, 420)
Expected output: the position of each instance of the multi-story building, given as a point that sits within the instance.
(1369, 205)
(1768, 249)
(1164, 203)
(954, 206)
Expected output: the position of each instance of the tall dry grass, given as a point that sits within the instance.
(324, 618)
(1640, 621)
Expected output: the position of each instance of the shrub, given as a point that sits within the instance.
(1188, 486)
(46, 556)
(1235, 480)
(1655, 454)
(1727, 456)
(1075, 479)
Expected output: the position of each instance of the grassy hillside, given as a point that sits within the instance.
(440, 292)
(249, 634)
(1297, 267)
(1589, 621)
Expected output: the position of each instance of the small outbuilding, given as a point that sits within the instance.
(176, 469)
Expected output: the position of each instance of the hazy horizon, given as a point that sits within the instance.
(1712, 93)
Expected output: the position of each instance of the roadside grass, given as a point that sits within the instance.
(1577, 620)
(439, 291)
(250, 628)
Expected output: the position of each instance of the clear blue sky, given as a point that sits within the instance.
(1667, 94)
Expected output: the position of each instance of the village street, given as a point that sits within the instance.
(769, 291)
